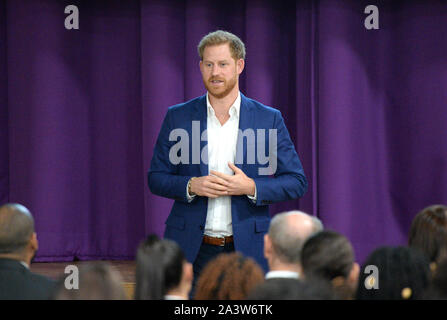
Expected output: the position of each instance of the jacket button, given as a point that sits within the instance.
(201, 227)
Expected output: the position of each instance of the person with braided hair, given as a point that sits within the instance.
(403, 274)
(329, 255)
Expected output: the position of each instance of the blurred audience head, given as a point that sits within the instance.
(286, 236)
(162, 271)
(438, 286)
(293, 289)
(428, 232)
(402, 274)
(97, 281)
(329, 255)
(17, 237)
(229, 276)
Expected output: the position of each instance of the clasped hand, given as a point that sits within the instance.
(218, 184)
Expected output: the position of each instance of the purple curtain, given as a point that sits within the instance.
(80, 110)
(4, 154)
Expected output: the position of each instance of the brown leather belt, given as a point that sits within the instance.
(217, 241)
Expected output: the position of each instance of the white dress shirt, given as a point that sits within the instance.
(222, 140)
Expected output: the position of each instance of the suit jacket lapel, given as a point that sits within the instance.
(246, 121)
(201, 115)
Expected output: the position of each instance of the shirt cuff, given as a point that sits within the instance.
(188, 196)
(253, 198)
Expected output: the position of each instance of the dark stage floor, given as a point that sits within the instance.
(55, 270)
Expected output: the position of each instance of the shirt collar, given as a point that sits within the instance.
(234, 109)
(173, 297)
(282, 274)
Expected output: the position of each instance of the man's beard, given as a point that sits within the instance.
(228, 86)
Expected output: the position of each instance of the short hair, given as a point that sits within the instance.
(159, 268)
(327, 254)
(97, 281)
(404, 274)
(237, 47)
(293, 289)
(428, 232)
(229, 276)
(286, 242)
(16, 227)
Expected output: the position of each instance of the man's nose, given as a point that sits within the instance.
(215, 70)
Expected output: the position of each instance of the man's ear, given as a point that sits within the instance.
(201, 65)
(240, 65)
(34, 244)
(353, 276)
(267, 246)
(188, 274)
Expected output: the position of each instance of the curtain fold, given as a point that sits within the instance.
(4, 137)
(80, 110)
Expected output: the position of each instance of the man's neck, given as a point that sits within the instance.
(15, 256)
(222, 105)
(286, 267)
(179, 292)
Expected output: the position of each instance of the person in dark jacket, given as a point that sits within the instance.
(18, 245)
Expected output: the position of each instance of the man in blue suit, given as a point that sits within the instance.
(222, 190)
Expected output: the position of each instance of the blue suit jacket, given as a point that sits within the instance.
(250, 220)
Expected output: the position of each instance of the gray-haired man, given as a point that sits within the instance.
(284, 241)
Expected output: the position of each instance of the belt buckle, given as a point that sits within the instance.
(223, 242)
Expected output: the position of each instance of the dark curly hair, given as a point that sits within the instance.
(404, 274)
(229, 276)
(438, 286)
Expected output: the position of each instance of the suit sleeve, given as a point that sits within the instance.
(163, 178)
(289, 181)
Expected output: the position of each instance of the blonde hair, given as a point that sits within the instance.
(218, 37)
